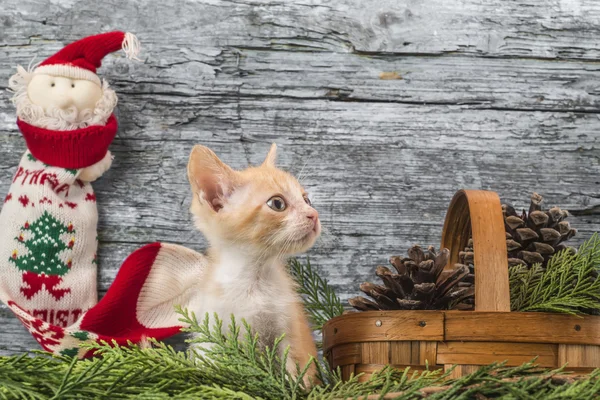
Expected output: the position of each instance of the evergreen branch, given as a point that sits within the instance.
(237, 360)
(235, 366)
(320, 301)
(229, 362)
(569, 284)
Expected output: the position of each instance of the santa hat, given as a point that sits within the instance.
(79, 60)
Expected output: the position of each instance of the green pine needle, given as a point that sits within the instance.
(320, 301)
(568, 285)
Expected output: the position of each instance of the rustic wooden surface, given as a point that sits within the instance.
(490, 95)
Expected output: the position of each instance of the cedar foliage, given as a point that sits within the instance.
(234, 366)
(569, 283)
(320, 301)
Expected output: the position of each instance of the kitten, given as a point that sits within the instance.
(253, 220)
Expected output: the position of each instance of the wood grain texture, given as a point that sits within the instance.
(483, 353)
(427, 353)
(457, 371)
(401, 353)
(479, 212)
(348, 371)
(376, 353)
(491, 95)
(380, 326)
(413, 352)
(346, 354)
(521, 327)
(578, 355)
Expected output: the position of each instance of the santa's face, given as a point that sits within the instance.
(59, 102)
(56, 92)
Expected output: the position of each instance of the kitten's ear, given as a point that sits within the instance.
(211, 179)
(270, 160)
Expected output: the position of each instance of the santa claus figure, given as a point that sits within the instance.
(48, 239)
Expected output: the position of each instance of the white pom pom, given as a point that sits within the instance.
(131, 46)
(93, 172)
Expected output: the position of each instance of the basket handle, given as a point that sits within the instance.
(479, 212)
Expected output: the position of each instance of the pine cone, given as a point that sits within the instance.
(531, 237)
(419, 283)
(534, 236)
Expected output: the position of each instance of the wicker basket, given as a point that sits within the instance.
(364, 342)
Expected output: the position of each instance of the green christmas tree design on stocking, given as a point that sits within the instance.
(42, 265)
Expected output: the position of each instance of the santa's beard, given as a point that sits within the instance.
(56, 118)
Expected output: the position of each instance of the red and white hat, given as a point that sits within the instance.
(80, 59)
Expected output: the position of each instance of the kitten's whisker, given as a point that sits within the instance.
(289, 239)
(300, 175)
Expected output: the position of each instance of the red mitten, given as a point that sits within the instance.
(48, 239)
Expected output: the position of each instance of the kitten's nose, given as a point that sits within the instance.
(314, 215)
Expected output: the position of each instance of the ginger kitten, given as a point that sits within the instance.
(253, 220)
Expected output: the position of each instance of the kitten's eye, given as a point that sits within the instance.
(52, 84)
(276, 203)
(72, 85)
(307, 200)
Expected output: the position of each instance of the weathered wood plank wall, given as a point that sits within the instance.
(492, 94)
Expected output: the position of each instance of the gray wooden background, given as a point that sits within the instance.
(499, 95)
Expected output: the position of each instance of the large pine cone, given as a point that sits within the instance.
(531, 237)
(420, 283)
(534, 236)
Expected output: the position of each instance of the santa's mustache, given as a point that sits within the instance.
(57, 118)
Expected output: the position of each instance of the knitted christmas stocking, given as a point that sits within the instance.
(48, 238)
(139, 304)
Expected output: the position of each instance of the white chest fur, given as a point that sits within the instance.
(262, 295)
